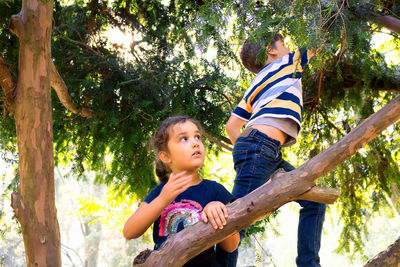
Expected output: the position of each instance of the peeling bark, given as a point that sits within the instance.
(280, 189)
(34, 204)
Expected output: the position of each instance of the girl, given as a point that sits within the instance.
(182, 198)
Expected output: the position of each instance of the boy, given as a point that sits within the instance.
(271, 109)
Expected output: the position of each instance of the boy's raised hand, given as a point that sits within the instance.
(216, 213)
(177, 183)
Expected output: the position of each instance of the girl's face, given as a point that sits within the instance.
(185, 149)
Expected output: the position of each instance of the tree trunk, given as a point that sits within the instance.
(280, 189)
(34, 204)
(390, 257)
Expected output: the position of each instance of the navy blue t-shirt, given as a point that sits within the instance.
(186, 209)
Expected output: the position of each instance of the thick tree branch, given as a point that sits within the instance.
(390, 23)
(61, 89)
(280, 189)
(390, 257)
(8, 85)
(367, 12)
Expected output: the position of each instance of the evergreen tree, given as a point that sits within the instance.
(184, 60)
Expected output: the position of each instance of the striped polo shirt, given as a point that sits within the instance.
(276, 90)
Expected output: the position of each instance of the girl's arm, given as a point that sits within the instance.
(147, 213)
(143, 218)
(231, 243)
(216, 213)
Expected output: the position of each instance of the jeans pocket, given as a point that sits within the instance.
(269, 153)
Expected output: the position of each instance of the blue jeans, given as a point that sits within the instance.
(256, 157)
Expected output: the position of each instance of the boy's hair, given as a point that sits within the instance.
(250, 50)
(160, 143)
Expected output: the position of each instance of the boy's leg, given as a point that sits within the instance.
(311, 219)
(255, 158)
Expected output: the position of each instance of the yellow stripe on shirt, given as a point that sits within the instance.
(290, 69)
(278, 103)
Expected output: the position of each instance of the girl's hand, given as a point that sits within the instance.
(177, 183)
(216, 213)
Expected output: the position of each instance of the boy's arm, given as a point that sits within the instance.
(234, 127)
(148, 213)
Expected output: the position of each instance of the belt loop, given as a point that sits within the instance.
(246, 132)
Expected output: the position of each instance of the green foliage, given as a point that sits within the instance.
(261, 225)
(183, 60)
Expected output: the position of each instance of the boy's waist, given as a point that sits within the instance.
(270, 131)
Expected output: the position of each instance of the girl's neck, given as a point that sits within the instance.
(195, 177)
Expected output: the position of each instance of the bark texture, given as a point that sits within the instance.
(34, 204)
(390, 257)
(280, 189)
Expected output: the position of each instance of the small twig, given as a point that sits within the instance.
(80, 44)
(214, 90)
(335, 16)
(329, 122)
(75, 252)
(265, 252)
(321, 75)
(218, 142)
(126, 117)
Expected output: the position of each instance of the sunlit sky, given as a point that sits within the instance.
(383, 42)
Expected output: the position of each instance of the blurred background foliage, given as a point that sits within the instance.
(134, 63)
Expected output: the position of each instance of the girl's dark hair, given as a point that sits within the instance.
(160, 143)
(250, 50)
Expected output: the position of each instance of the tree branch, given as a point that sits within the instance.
(280, 189)
(216, 141)
(81, 44)
(321, 195)
(214, 90)
(388, 258)
(16, 25)
(61, 89)
(8, 85)
(16, 204)
(390, 23)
